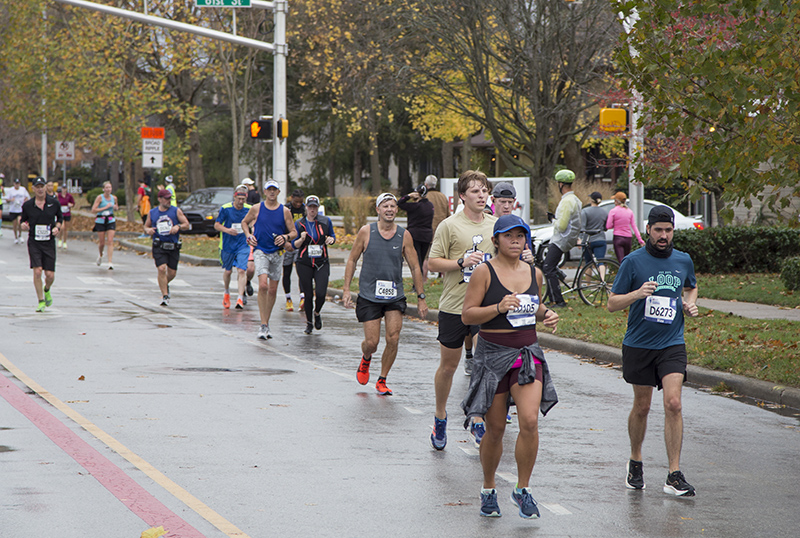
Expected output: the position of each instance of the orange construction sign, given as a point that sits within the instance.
(153, 132)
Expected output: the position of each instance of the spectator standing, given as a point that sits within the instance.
(420, 221)
(143, 199)
(252, 193)
(593, 219)
(623, 222)
(441, 206)
(173, 201)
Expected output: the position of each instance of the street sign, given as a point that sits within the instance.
(222, 3)
(152, 160)
(153, 132)
(152, 145)
(65, 151)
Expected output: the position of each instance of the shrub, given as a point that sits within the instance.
(331, 206)
(355, 210)
(790, 273)
(739, 249)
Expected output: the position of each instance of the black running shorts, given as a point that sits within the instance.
(649, 366)
(367, 310)
(168, 257)
(452, 331)
(42, 254)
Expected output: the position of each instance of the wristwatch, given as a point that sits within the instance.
(460, 262)
(421, 295)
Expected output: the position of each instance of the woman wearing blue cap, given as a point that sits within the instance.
(503, 298)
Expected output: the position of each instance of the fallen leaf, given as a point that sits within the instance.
(82, 378)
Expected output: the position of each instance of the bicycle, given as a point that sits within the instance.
(592, 280)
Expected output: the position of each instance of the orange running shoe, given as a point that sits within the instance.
(363, 371)
(381, 387)
(239, 304)
(226, 300)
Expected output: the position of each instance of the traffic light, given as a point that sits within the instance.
(261, 129)
(613, 120)
(283, 128)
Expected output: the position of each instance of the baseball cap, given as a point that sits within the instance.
(565, 176)
(164, 193)
(248, 181)
(661, 213)
(383, 197)
(312, 200)
(504, 190)
(39, 181)
(271, 183)
(596, 196)
(620, 197)
(16, 180)
(509, 222)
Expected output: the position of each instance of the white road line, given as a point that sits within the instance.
(508, 477)
(557, 509)
(177, 283)
(98, 280)
(414, 411)
(469, 451)
(20, 278)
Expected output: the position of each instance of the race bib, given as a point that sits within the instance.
(385, 289)
(163, 227)
(41, 232)
(237, 226)
(64, 209)
(467, 271)
(525, 314)
(660, 309)
(315, 251)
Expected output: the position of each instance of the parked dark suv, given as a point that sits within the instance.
(202, 208)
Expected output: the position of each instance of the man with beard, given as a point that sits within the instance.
(659, 285)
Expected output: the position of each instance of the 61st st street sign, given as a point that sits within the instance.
(222, 3)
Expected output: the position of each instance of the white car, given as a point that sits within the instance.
(543, 232)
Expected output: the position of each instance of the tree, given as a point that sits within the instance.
(720, 90)
(530, 72)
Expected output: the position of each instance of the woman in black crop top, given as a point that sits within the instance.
(503, 298)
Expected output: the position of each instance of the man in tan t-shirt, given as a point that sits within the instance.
(461, 242)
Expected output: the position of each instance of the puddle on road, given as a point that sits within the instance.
(191, 370)
(4, 448)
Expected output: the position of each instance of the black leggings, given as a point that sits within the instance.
(316, 279)
(287, 278)
(422, 252)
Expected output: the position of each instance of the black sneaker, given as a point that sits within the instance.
(635, 478)
(248, 289)
(317, 321)
(309, 328)
(676, 484)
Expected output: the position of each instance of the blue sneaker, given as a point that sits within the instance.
(477, 429)
(489, 506)
(527, 505)
(439, 433)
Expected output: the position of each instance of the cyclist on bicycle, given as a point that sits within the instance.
(566, 228)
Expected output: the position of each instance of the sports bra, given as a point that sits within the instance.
(495, 294)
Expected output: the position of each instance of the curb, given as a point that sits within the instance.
(742, 385)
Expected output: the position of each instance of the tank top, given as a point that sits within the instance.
(381, 278)
(269, 223)
(162, 221)
(495, 294)
(106, 207)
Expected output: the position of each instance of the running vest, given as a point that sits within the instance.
(313, 251)
(495, 294)
(162, 221)
(270, 223)
(381, 278)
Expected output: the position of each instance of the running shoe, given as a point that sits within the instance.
(239, 304)
(635, 478)
(527, 505)
(48, 299)
(244, 300)
(468, 366)
(439, 437)
(64, 245)
(110, 267)
(317, 321)
(508, 419)
(263, 332)
(226, 300)
(289, 305)
(309, 328)
(58, 242)
(477, 429)
(41, 306)
(99, 260)
(362, 374)
(381, 387)
(165, 300)
(302, 303)
(676, 484)
(249, 289)
(489, 506)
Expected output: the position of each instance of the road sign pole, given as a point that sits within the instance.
(279, 151)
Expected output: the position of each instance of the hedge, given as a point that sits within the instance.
(790, 273)
(739, 249)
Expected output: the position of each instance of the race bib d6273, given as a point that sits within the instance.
(660, 309)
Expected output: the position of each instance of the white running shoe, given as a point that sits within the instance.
(99, 260)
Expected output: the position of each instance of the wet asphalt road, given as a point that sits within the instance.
(238, 437)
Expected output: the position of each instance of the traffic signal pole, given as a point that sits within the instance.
(279, 49)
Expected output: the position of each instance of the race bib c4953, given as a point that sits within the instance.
(660, 309)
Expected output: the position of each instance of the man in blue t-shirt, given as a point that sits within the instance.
(233, 247)
(659, 286)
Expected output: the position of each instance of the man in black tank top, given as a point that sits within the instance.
(384, 245)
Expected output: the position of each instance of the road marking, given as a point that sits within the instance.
(97, 280)
(508, 477)
(136, 498)
(20, 278)
(472, 452)
(413, 411)
(178, 283)
(557, 509)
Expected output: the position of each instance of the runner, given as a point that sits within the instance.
(164, 223)
(298, 210)
(462, 241)
(41, 215)
(104, 223)
(503, 298)
(659, 285)
(233, 249)
(67, 202)
(268, 227)
(384, 244)
(16, 196)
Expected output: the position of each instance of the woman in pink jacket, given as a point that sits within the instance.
(620, 218)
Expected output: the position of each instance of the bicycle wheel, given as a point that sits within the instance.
(595, 281)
